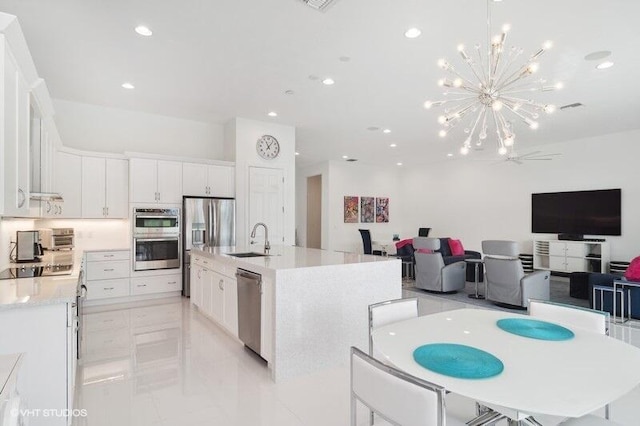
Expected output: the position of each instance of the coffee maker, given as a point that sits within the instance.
(28, 246)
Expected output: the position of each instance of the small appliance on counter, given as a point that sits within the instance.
(28, 246)
(57, 238)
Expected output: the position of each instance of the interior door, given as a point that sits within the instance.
(266, 203)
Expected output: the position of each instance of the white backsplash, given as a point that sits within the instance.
(90, 234)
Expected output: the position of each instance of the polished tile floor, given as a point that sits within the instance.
(165, 364)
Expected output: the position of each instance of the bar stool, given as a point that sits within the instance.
(600, 289)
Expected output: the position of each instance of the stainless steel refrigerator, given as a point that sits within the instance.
(207, 222)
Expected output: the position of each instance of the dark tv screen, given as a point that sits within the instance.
(578, 212)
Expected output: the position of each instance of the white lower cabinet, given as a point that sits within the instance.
(155, 284)
(215, 294)
(107, 274)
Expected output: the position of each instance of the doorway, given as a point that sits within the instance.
(314, 211)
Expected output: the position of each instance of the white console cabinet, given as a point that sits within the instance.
(570, 256)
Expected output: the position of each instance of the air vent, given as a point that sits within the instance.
(351, 160)
(320, 5)
(575, 105)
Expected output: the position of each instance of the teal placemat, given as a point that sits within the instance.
(463, 362)
(535, 329)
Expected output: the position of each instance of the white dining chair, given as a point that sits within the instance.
(388, 312)
(587, 319)
(589, 420)
(397, 397)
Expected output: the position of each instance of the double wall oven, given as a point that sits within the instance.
(156, 239)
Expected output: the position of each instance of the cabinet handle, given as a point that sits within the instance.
(107, 211)
(142, 285)
(171, 282)
(108, 270)
(221, 285)
(22, 198)
(107, 255)
(199, 273)
(108, 288)
(48, 206)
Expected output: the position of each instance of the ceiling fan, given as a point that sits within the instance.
(531, 156)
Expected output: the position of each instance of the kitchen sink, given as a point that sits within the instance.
(248, 254)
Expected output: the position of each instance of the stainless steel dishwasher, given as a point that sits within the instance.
(249, 308)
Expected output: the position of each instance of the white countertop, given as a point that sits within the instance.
(25, 292)
(289, 257)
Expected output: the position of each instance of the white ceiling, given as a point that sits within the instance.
(214, 60)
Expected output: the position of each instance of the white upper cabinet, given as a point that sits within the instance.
(15, 136)
(104, 188)
(68, 183)
(155, 181)
(208, 180)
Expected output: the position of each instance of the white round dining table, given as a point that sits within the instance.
(568, 378)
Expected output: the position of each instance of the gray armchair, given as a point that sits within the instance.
(506, 280)
(431, 272)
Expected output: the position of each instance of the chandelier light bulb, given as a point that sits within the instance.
(534, 125)
(461, 47)
(506, 28)
(508, 141)
(496, 39)
(547, 45)
(442, 133)
(457, 82)
(442, 63)
(559, 85)
(497, 105)
(441, 82)
(428, 104)
(442, 119)
(502, 150)
(464, 150)
(549, 109)
(533, 67)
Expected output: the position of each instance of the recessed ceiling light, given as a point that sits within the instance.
(345, 157)
(449, 155)
(604, 65)
(596, 56)
(373, 128)
(144, 31)
(297, 153)
(344, 59)
(289, 92)
(128, 86)
(398, 164)
(412, 33)
(328, 82)
(393, 145)
(273, 114)
(386, 131)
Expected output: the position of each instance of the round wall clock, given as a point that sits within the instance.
(268, 147)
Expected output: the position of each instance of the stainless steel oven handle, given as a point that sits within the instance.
(151, 240)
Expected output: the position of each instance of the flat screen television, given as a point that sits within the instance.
(577, 212)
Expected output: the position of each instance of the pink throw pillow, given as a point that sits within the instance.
(633, 271)
(425, 251)
(456, 247)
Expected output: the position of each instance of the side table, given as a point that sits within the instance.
(623, 284)
(476, 263)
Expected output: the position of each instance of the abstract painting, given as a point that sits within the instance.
(367, 209)
(382, 209)
(350, 209)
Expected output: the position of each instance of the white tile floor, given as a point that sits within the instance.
(165, 364)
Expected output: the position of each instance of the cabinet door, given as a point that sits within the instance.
(143, 175)
(93, 187)
(557, 263)
(231, 305)
(117, 188)
(24, 125)
(557, 248)
(68, 182)
(194, 179)
(207, 288)
(196, 285)
(217, 298)
(170, 182)
(574, 264)
(12, 196)
(221, 181)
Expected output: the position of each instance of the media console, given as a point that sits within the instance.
(571, 256)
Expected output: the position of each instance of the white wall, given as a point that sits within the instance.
(477, 200)
(350, 179)
(97, 128)
(246, 133)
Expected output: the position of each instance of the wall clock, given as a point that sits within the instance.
(268, 147)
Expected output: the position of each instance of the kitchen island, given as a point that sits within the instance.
(313, 302)
(38, 319)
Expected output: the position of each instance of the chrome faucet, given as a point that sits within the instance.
(267, 246)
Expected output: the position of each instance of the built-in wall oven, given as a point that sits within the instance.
(156, 239)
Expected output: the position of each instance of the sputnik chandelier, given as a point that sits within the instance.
(478, 104)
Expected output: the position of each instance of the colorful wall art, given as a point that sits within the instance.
(382, 210)
(350, 209)
(367, 209)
